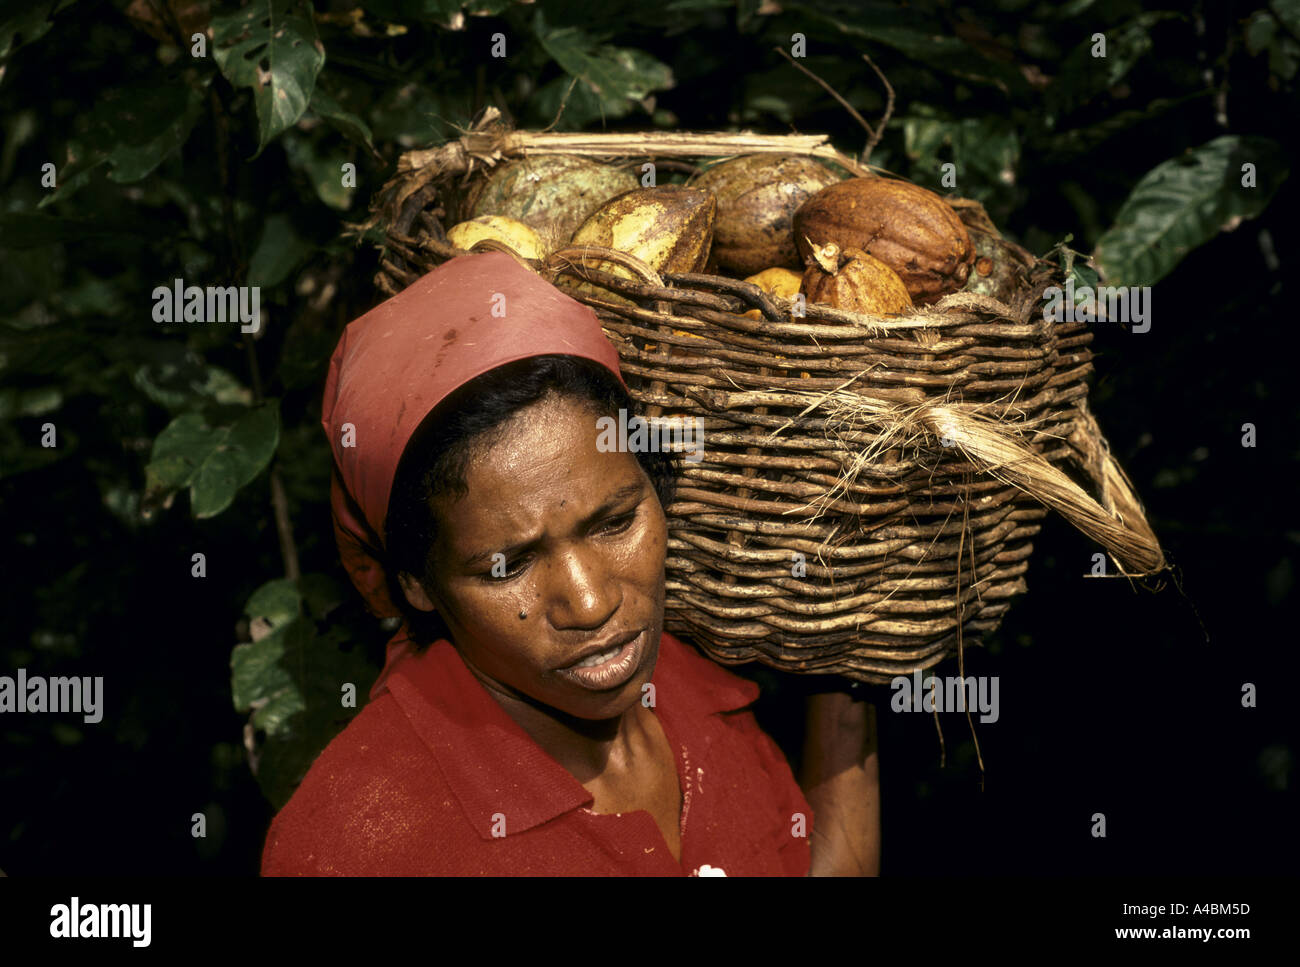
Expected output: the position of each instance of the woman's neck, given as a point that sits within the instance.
(585, 747)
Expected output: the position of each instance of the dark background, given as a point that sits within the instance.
(1115, 698)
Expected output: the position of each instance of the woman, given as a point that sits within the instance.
(532, 715)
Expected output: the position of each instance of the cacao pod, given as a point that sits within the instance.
(552, 194)
(999, 268)
(854, 281)
(669, 228)
(778, 281)
(909, 228)
(514, 233)
(757, 198)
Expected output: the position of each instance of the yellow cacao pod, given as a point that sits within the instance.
(669, 228)
(781, 282)
(514, 233)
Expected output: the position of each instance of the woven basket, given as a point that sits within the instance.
(869, 489)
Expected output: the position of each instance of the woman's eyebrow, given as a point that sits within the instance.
(610, 502)
(613, 500)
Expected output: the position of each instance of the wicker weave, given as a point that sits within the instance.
(869, 489)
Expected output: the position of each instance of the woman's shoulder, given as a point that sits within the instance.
(714, 688)
(753, 803)
(373, 791)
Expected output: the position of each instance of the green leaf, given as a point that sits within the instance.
(29, 402)
(304, 360)
(247, 448)
(173, 375)
(1263, 33)
(215, 463)
(1183, 203)
(280, 707)
(1260, 31)
(912, 31)
(133, 129)
(278, 601)
(352, 127)
(279, 251)
(177, 451)
(1064, 255)
(91, 296)
(186, 386)
(30, 24)
(694, 6)
(292, 679)
(985, 150)
(1084, 276)
(770, 94)
(1288, 11)
(320, 593)
(255, 669)
(47, 350)
(21, 452)
(1076, 141)
(448, 13)
(271, 48)
(325, 172)
(164, 124)
(19, 230)
(618, 76)
(1083, 76)
(415, 114)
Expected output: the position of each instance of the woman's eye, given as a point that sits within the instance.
(616, 525)
(513, 569)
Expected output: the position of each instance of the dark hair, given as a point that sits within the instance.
(438, 454)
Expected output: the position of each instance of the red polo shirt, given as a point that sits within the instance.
(434, 777)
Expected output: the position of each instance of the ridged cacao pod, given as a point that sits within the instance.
(552, 194)
(909, 228)
(855, 281)
(514, 233)
(757, 198)
(669, 228)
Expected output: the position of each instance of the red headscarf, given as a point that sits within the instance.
(393, 365)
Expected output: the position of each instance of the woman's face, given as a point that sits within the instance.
(570, 536)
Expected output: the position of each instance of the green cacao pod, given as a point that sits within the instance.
(552, 194)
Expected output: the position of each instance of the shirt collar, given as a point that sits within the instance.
(495, 769)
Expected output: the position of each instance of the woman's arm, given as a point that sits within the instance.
(841, 780)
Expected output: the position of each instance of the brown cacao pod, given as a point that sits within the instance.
(552, 194)
(909, 228)
(669, 228)
(854, 281)
(757, 198)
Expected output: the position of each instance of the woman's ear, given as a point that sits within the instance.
(415, 593)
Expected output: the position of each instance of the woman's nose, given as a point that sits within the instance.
(582, 589)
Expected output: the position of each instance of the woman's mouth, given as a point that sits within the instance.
(607, 669)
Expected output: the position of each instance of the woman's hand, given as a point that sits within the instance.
(841, 781)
